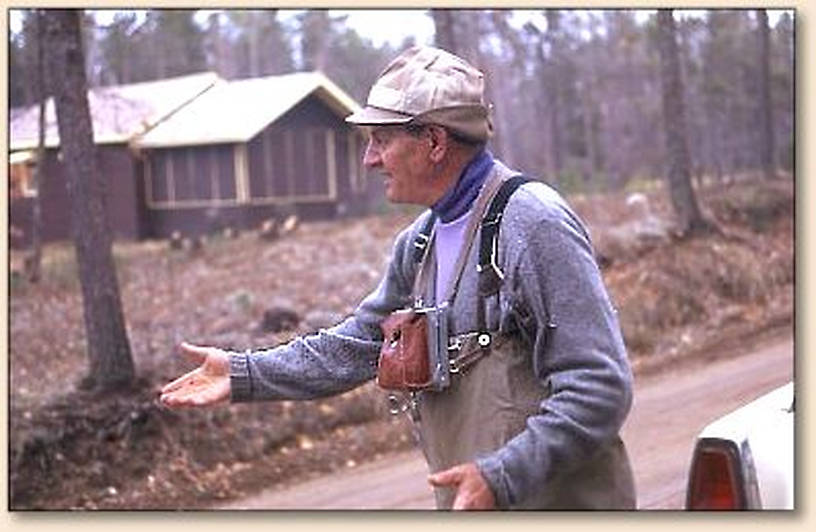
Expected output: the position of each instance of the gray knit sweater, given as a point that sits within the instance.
(551, 277)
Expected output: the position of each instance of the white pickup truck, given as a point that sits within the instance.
(744, 460)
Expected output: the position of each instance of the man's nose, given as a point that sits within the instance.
(371, 157)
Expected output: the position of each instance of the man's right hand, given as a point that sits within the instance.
(207, 385)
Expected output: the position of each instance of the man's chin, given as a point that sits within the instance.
(395, 199)
(392, 196)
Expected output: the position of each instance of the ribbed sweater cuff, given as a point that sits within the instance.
(240, 382)
(492, 470)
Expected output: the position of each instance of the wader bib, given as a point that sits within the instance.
(487, 404)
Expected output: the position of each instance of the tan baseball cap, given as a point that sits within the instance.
(426, 85)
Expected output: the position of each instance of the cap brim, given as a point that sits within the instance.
(374, 116)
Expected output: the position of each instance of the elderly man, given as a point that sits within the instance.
(530, 381)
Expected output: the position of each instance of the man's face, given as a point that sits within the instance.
(402, 156)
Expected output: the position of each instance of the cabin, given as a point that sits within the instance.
(197, 154)
(248, 150)
(117, 115)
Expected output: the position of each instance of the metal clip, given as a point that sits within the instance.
(421, 241)
(413, 403)
(394, 406)
(494, 221)
(453, 367)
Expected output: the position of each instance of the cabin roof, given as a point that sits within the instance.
(118, 113)
(236, 111)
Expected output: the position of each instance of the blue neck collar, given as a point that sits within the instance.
(458, 199)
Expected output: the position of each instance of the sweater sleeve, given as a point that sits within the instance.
(333, 360)
(578, 354)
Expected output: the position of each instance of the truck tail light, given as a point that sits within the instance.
(716, 479)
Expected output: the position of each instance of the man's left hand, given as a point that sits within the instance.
(472, 490)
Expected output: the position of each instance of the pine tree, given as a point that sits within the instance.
(684, 201)
(111, 364)
(766, 132)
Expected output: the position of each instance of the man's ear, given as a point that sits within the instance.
(440, 143)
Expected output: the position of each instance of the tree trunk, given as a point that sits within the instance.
(445, 31)
(34, 262)
(476, 23)
(553, 91)
(714, 105)
(512, 104)
(254, 39)
(316, 36)
(766, 134)
(683, 200)
(110, 362)
(590, 139)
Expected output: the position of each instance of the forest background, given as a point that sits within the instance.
(576, 93)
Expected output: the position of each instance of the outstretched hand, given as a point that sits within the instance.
(472, 490)
(207, 385)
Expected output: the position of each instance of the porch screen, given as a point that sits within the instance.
(176, 176)
(292, 163)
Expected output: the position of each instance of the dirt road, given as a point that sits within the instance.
(670, 408)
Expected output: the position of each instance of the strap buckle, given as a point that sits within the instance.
(396, 407)
(421, 241)
(453, 367)
(495, 220)
(423, 238)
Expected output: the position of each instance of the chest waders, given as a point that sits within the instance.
(493, 388)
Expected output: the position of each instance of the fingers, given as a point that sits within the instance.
(195, 353)
(464, 501)
(195, 391)
(448, 477)
(192, 398)
(185, 380)
(472, 491)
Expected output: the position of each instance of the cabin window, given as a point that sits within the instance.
(181, 182)
(194, 176)
(157, 183)
(226, 171)
(212, 171)
(297, 164)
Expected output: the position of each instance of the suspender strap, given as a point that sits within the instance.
(423, 237)
(490, 276)
(490, 188)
